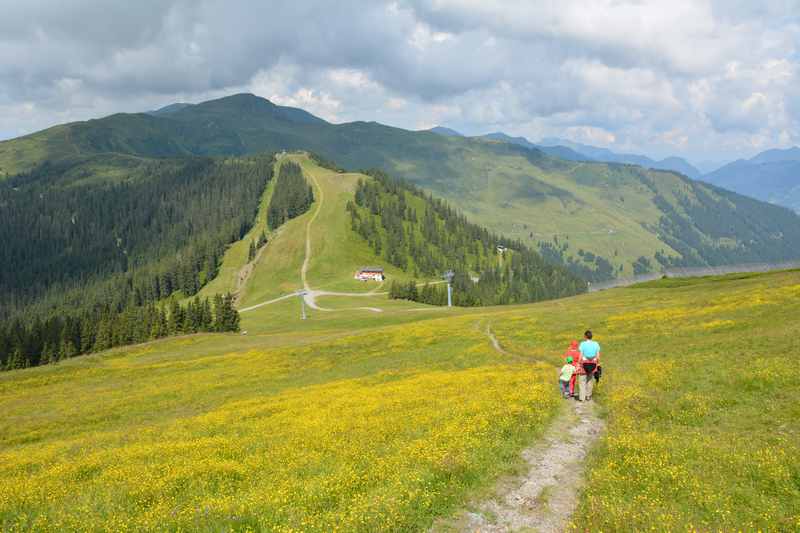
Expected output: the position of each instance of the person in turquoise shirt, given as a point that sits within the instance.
(590, 359)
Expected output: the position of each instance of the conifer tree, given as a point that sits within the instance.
(67, 349)
(176, 318)
(48, 354)
(104, 338)
(219, 314)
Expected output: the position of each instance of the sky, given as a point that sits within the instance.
(707, 80)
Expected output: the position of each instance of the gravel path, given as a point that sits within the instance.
(545, 497)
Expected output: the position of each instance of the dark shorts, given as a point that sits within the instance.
(589, 368)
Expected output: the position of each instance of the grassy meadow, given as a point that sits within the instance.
(336, 251)
(370, 422)
(703, 422)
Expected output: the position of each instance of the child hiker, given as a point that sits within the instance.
(575, 354)
(566, 373)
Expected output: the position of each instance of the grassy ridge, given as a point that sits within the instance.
(336, 251)
(368, 423)
(235, 258)
(619, 212)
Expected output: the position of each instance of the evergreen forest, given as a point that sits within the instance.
(426, 237)
(82, 253)
(292, 195)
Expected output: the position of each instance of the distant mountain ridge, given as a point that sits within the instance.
(602, 219)
(562, 152)
(595, 153)
(572, 151)
(447, 132)
(772, 176)
(166, 110)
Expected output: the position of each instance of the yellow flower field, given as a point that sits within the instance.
(390, 427)
(703, 419)
(276, 440)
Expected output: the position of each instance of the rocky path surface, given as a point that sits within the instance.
(545, 497)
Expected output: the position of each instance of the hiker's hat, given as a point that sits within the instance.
(569, 359)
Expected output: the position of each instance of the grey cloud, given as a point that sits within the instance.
(644, 72)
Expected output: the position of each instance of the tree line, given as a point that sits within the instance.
(425, 236)
(41, 342)
(291, 197)
(97, 251)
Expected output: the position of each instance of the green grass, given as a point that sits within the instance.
(236, 256)
(609, 210)
(336, 251)
(702, 420)
(367, 421)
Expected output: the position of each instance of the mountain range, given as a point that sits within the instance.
(573, 151)
(772, 176)
(676, 164)
(602, 219)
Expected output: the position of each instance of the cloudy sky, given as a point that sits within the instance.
(708, 80)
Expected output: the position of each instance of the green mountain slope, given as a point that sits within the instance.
(630, 217)
(772, 176)
(88, 255)
(153, 226)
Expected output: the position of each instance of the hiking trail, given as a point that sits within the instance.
(311, 295)
(545, 497)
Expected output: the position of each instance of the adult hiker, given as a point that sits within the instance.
(573, 353)
(590, 358)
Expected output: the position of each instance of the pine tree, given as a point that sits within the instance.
(67, 349)
(230, 321)
(17, 359)
(104, 338)
(251, 253)
(207, 317)
(175, 321)
(219, 313)
(88, 333)
(48, 356)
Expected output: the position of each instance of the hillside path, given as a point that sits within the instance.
(545, 497)
(311, 295)
(307, 259)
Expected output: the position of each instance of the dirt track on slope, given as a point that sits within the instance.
(545, 497)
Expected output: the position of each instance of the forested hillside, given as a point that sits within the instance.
(628, 216)
(772, 176)
(88, 254)
(292, 197)
(424, 235)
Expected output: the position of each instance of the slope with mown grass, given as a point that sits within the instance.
(336, 252)
(389, 423)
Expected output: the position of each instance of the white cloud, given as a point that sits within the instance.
(708, 78)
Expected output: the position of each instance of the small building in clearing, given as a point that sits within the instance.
(370, 273)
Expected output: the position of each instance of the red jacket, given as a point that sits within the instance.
(573, 352)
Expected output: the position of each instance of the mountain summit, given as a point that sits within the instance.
(772, 176)
(634, 218)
